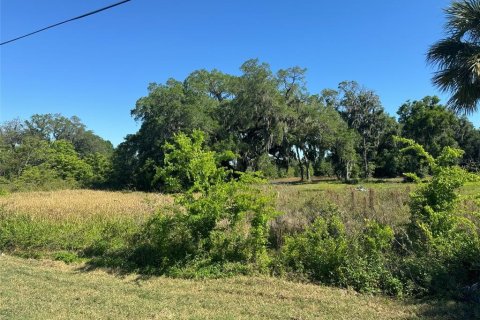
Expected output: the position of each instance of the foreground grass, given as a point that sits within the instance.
(96, 223)
(41, 289)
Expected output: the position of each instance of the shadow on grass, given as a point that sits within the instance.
(144, 267)
(317, 180)
(449, 309)
(122, 263)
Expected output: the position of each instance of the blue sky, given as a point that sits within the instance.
(97, 67)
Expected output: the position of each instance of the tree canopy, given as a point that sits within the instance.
(258, 120)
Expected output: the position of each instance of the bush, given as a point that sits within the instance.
(442, 243)
(42, 178)
(187, 166)
(225, 225)
(65, 256)
(325, 253)
(319, 252)
(324, 168)
(267, 166)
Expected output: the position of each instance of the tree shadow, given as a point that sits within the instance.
(448, 309)
(122, 263)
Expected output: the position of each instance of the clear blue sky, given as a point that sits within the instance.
(97, 67)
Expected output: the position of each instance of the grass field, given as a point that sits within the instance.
(83, 204)
(42, 289)
(86, 223)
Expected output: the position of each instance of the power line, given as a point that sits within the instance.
(72, 19)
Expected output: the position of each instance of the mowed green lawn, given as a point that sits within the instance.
(42, 289)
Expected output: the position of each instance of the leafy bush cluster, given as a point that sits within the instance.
(326, 253)
(50, 152)
(443, 242)
(223, 226)
(187, 166)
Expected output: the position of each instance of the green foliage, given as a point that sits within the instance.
(24, 233)
(65, 161)
(66, 256)
(324, 168)
(187, 166)
(42, 178)
(363, 112)
(58, 148)
(457, 55)
(326, 253)
(344, 156)
(101, 169)
(228, 223)
(429, 123)
(267, 166)
(319, 252)
(442, 240)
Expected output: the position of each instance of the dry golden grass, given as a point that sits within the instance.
(75, 204)
(383, 202)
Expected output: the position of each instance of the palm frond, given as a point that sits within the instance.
(458, 57)
(464, 19)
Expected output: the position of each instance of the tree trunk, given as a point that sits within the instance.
(347, 171)
(300, 163)
(365, 159)
(307, 170)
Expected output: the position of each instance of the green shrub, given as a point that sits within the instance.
(267, 166)
(42, 178)
(319, 252)
(368, 267)
(325, 253)
(442, 243)
(186, 165)
(66, 256)
(324, 168)
(225, 225)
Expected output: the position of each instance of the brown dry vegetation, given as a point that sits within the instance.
(384, 202)
(74, 204)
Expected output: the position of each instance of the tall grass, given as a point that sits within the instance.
(78, 205)
(386, 203)
(85, 222)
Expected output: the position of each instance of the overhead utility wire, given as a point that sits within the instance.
(57, 24)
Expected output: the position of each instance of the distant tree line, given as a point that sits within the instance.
(271, 123)
(258, 121)
(52, 151)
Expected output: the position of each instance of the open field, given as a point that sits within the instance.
(34, 223)
(33, 289)
(383, 201)
(77, 225)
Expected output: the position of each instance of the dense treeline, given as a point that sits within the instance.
(52, 151)
(258, 121)
(272, 124)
